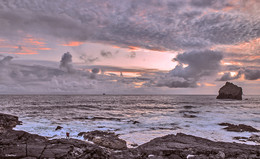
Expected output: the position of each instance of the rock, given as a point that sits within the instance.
(58, 128)
(189, 115)
(8, 121)
(134, 144)
(230, 91)
(183, 146)
(220, 155)
(238, 128)
(106, 139)
(254, 138)
(240, 138)
(81, 133)
(175, 156)
(20, 144)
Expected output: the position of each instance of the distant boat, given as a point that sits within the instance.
(104, 94)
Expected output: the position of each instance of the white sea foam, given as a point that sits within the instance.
(137, 119)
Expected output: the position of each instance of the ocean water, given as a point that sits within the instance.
(136, 118)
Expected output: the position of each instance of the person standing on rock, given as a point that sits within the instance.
(67, 135)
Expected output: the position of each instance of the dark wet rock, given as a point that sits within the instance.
(164, 128)
(134, 144)
(105, 139)
(8, 121)
(19, 144)
(134, 121)
(254, 138)
(238, 128)
(243, 139)
(183, 146)
(58, 128)
(185, 115)
(230, 91)
(189, 111)
(81, 133)
(188, 107)
(104, 118)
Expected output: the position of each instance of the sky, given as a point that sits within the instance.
(129, 46)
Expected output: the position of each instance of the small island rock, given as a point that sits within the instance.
(230, 91)
(58, 128)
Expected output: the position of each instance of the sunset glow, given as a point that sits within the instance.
(130, 79)
(73, 43)
(156, 45)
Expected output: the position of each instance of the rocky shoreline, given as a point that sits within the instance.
(104, 145)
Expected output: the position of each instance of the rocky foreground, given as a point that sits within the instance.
(20, 144)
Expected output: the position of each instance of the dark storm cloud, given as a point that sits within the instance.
(106, 54)
(252, 74)
(227, 76)
(200, 63)
(88, 59)
(95, 70)
(176, 83)
(34, 22)
(202, 3)
(66, 62)
(153, 24)
(121, 69)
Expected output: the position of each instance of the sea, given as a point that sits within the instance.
(135, 118)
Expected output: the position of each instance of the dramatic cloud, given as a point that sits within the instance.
(209, 36)
(88, 60)
(106, 54)
(66, 62)
(17, 76)
(198, 64)
(229, 76)
(95, 70)
(252, 74)
(149, 24)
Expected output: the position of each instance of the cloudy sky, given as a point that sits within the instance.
(129, 46)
